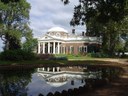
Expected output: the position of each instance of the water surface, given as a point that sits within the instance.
(35, 81)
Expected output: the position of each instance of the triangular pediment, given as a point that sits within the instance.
(48, 38)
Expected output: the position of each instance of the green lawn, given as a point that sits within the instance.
(72, 59)
(54, 62)
(75, 57)
(34, 62)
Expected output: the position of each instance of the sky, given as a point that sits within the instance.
(45, 14)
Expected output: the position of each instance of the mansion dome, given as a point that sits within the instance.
(57, 29)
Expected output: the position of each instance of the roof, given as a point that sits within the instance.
(57, 29)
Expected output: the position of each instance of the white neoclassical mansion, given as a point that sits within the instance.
(57, 40)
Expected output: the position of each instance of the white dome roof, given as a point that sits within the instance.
(56, 84)
(57, 29)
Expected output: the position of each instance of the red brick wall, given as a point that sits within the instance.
(75, 45)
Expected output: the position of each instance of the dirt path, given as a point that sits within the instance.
(118, 87)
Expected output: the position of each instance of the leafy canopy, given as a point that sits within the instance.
(14, 21)
(106, 18)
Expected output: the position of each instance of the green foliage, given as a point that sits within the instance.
(7, 1)
(17, 55)
(51, 57)
(105, 18)
(97, 55)
(30, 43)
(14, 18)
(59, 58)
(126, 46)
(101, 10)
(65, 1)
(44, 56)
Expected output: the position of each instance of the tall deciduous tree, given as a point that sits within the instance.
(103, 18)
(14, 18)
(7, 1)
(30, 43)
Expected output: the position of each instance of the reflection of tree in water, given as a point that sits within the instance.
(13, 83)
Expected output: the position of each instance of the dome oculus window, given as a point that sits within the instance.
(57, 34)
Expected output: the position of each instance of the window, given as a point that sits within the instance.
(78, 49)
(71, 49)
(65, 49)
(68, 49)
(57, 34)
(82, 48)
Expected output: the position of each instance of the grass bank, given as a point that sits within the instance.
(71, 60)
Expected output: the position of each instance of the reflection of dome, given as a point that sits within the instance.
(57, 29)
(56, 84)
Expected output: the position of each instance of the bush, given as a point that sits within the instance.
(17, 55)
(51, 57)
(59, 58)
(98, 55)
(45, 56)
(124, 56)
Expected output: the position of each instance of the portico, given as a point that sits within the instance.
(49, 47)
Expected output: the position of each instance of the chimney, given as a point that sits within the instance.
(83, 33)
(73, 31)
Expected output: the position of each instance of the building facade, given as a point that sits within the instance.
(59, 41)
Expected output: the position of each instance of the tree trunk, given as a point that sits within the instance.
(11, 43)
(6, 42)
(105, 43)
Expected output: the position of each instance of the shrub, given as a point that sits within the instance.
(59, 58)
(98, 55)
(45, 56)
(51, 57)
(124, 56)
(17, 55)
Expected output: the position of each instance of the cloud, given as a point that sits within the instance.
(50, 13)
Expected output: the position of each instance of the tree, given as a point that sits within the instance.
(125, 41)
(102, 18)
(14, 22)
(126, 46)
(30, 43)
(7, 1)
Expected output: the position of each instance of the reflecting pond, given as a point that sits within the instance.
(44, 81)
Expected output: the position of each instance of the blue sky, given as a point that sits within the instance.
(45, 14)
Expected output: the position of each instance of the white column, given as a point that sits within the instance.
(38, 47)
(48, 69)
(58, 48)
(48, 47)
(58, 68)
(54, 48)
(38, 69)
(53, 69)
(86, 49)
(63, 49)
(43, 68)
(43, 47)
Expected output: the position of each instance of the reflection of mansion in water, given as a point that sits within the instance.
(58, 76)
(59, 41)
